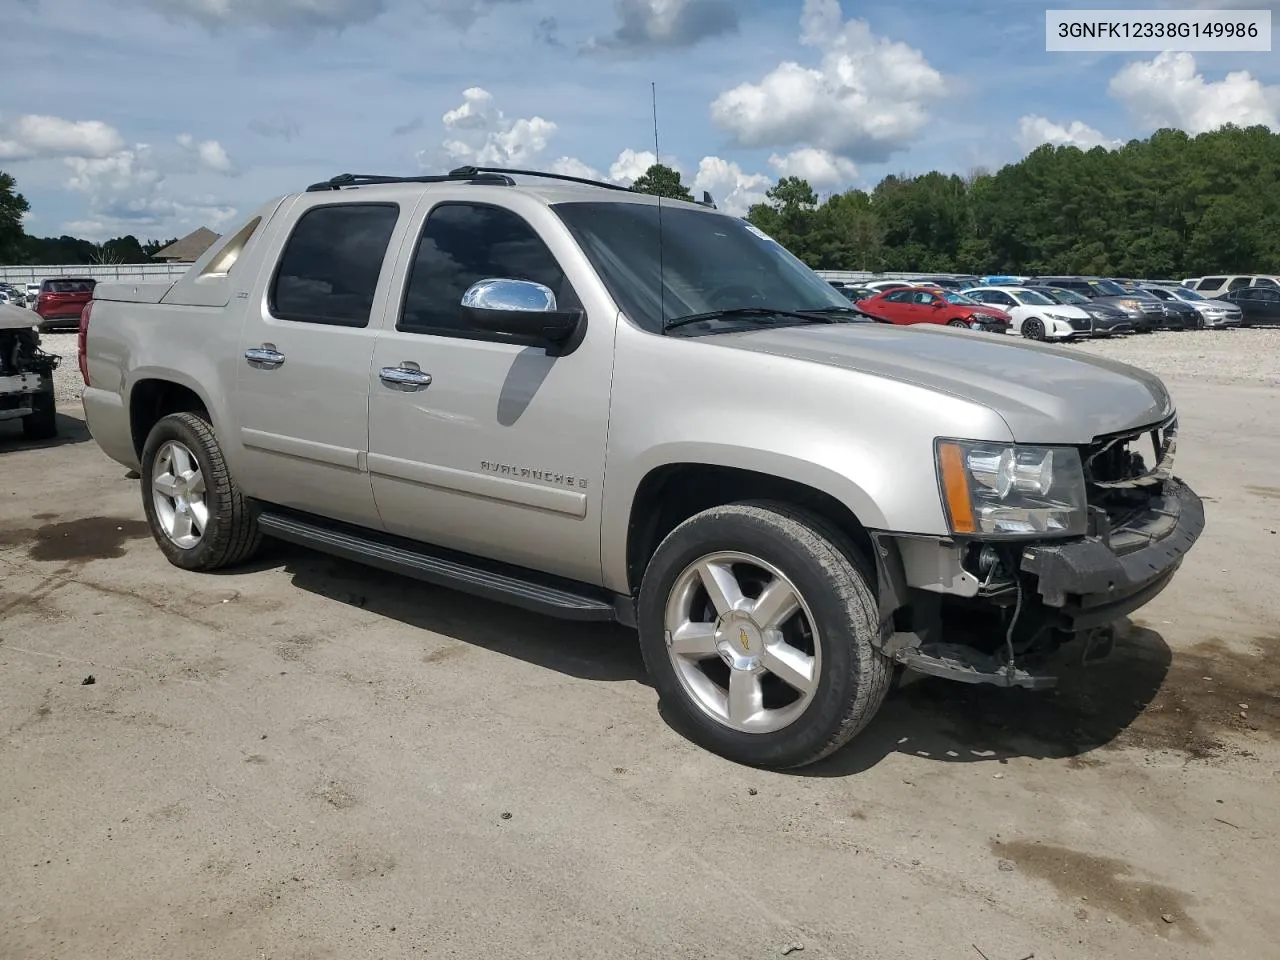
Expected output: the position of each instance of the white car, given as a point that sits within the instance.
(880, 286)
(1214, 314)
(1034, 315)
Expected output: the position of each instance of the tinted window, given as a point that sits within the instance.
(1270, 296)
(1265, 282)
(330, 266)
(898, 296)
(1211, 283)
(69, 286)
(1237, 283)
(465, 242)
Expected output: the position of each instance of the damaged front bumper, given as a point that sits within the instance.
(995, 613)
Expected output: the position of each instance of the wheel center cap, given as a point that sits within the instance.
(739, 641)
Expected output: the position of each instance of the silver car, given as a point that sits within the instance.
(599, 405)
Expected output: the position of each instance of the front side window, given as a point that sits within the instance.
(1107, 288)
(462, 243)
(1186, 293)
(1238, 282)
(329, 269)
(665, 263)
(924, 299)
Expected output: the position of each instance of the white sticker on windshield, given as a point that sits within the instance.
(759, 233)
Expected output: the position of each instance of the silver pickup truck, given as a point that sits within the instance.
(601, 406)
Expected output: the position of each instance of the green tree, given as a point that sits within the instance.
(12, 206)
(662, 181)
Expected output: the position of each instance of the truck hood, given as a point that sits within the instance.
(16, 318)
(1045, 394)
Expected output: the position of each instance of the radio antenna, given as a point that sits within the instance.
(657, 159)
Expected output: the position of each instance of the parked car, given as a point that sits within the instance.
(1225, 283)
(1034, 315)
(1107, 320)
(879, 286)
(26, 375)
(1260, 306)
(1145, 315)
(924, 305)
(61, 299)
(33, 294)
(1177, 315)
(573, 399)
(1214, 314)
(12, 296)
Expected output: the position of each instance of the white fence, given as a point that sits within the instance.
(98, 271)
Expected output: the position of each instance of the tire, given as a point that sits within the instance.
(42, 422)
(846, 676)
(230, 532)
(1033, 329)
(958, 323)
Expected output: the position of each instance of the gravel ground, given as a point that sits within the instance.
(67, 385)
(1244, 357)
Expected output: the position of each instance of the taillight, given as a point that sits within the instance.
(82, 340)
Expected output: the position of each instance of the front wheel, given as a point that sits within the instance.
(197, 514)
(958, 323)
(760, 631)
(1033, 329)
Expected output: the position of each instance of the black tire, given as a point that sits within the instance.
(836, 583)
(957, 323)
(1033, 329)
(232, 535)
(42, 422)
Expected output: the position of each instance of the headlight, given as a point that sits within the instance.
(1062, 317)
(1001, 490)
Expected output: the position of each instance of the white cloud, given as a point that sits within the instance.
(209, 154)
(867, 98)
(733, 190)
(484, 136)
(87, 229)
(1168, 92)
(1033, 131)
(126, 171)
(820, 167)
(649, 24)
(573, 167)
(35, 137)
(631, 165)
(310, 15)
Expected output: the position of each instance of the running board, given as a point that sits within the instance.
(414, 560)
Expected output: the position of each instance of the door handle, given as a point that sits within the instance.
(404, 378)
(265, 357)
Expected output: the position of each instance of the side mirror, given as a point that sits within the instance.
(524, 311)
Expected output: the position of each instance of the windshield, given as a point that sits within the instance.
(960, 298)
(1066, 296)
(709, 262)
(1033, 298)
(1107, 288)
(1186, 293)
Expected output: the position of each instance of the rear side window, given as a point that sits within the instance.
(1265, 282)
(1211, 283)
(331, 263)
(465, 242)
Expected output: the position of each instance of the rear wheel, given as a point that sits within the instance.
(760, 631)
(197, 514)
(1033, 329)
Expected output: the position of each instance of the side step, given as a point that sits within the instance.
(442, 568)
(955, 662)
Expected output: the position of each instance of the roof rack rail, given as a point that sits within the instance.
(368, 179)
(481, 175)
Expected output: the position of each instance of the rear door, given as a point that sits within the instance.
(302, 397)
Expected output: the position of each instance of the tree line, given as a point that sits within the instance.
(1165, 207)
(1170, 205)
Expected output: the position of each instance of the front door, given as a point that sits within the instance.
(501, 453)
(302, 398)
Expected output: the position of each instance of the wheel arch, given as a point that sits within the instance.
(156, 394)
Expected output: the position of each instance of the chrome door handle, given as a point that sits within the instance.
(265, 357)
(404, 378)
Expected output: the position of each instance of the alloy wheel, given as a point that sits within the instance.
(178, 492)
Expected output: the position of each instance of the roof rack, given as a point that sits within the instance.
(500, 176)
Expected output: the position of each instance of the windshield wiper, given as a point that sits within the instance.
(735, 312)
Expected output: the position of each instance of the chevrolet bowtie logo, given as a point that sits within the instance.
(744, 639)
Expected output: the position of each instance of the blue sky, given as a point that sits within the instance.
(162, 115)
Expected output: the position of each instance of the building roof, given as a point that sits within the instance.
(189, 248)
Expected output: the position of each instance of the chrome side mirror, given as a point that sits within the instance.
(521, 311)
(524, 296)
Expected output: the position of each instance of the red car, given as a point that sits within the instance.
(62, 299)
(931, 305)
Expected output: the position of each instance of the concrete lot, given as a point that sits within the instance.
(305, 759)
